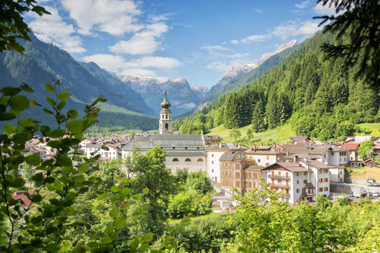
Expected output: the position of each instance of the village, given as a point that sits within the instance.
(298, 170)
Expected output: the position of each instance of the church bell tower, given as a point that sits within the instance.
(165, 117)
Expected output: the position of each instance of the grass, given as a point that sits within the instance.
(372, 129)
(278, 135)
(193, 218)
(361, 174)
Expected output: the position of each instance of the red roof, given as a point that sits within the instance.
(351, 145)
(26, 203)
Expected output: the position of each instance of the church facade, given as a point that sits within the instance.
(183, 150)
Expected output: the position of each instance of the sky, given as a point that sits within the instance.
(195, 39)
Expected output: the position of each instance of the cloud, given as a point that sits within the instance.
(139, 66)
(158, 18)
(52, 29)
(218, 66)
(255, 38)
(259, 11)
(324, 9)
(215, 47)
(303, 5)
(235, 42)
(295, 29)
(143, 42)
(111, 16)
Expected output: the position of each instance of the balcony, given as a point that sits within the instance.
(279, 177)
(286, 195)
(309, 193)
(283, 186)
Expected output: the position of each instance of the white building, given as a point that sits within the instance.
(213, 155)
(265, 155)
(92, 150)
(299, 180)
(183, 150)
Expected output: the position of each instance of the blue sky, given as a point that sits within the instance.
(196, 40)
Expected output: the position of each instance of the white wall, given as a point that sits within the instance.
(193, 166)
(263, 160)
(213, 165)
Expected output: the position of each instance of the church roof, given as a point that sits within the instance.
(165, 104)
(165, 141)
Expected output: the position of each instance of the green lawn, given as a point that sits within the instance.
(373, 128)
(279, 134)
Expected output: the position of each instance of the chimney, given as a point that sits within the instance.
(295, 159)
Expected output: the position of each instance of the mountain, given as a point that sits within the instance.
(237, 71)
(180, 94)
(201, 91)
(319, 98)
(42, 63)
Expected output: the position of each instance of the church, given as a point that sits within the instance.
(183, 150)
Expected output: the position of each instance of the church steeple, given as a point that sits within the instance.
(165, 117)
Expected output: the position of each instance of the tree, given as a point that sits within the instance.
(12, 25)
(357, 25)
(365, 150)
(234, 134)
(249, 134)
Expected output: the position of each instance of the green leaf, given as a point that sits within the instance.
(57, 133)
(19, 103)
(115, 188)
(17, 182)
(64, 95)
(64, 161)
(125, 192)
(61, 105)
(148, 237)
(10, 91)
(66, 246)
(72, 114)
(49, 87)
(38, 177)
(120, 222)
(114, 212)
(75, 126)
(51, 101)
(26, 88)
(83, 167)
(33, 159)
(7, 116)
(9, 129)
(102, 195)
(143, 247)
(106, 239)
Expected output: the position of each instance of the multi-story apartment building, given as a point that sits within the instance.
(265, 155)
(214, 153)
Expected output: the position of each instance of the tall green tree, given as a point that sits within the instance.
(365, 150)
(234, 134)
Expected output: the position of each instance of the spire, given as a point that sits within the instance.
(165, 104)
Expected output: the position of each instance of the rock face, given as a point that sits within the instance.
(235, 72)
(201, 91)
(181, 95)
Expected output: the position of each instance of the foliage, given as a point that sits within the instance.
(234, 134)
(12, 25)
(357, 24)
(365, 150)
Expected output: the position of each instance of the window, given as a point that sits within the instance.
(237, 184)
(237, 174)
(326, 170)
(279, 173)
(321, 189)
(326, 189)
(305, 181)
(298, 174)
(166, 126)
(212, 162)
(326, 179)
(332, 153)
(298, 182)
(267, 164)
(197, 147)
(212, 155)
(279, 181)
(258, 160)
(267, 157)
(321, 180)
(200, 160)
(173, 147)
(185, 147)
(298, 191)
(212, 171)
(304, 173)
(175, 160)
(188, 160)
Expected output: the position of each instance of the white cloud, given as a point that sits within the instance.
(324, 9)
(218, 66)
(295, 29)
(143, 42)
(52, 29)
(215, 47)
(303, 5)
(259, 11)
(139, 66)
(111, 16)
(256, 38)
(235, 42)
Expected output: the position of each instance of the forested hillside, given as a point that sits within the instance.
(320, 98)
(42, 63)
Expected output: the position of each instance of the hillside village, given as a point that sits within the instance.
(300, 169)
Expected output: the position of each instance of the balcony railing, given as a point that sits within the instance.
(279, 177)
(310, 193)
(280, 186)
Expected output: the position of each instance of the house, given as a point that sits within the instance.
(354, 158)
(214, 153)
(238, 172)
(301, 179)
(296, 139)
(213, 139)
(371, 163)
(183, 150)
(265, 155)
(20, 196)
